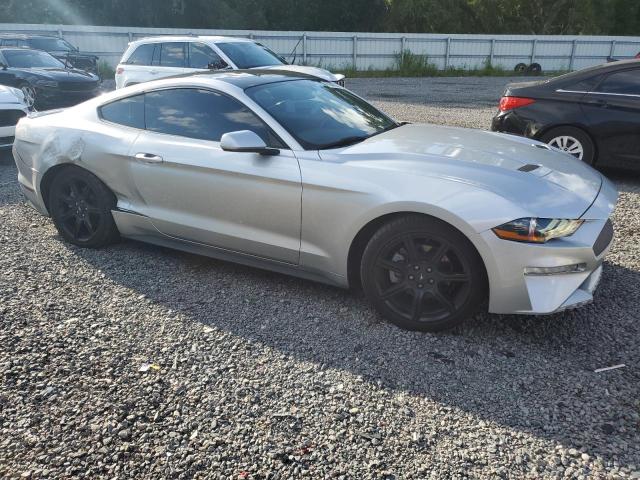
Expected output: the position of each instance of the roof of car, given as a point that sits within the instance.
(597, 69)
(247, 78)
(25, 35)
(188, 38)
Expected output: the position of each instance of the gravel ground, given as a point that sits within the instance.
(142, 362)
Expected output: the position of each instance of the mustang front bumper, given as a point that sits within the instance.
(514, 290)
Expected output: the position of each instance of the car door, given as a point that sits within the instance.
(193, 190)
(169, 58)
(202, 57)
(138, 67)
(613, 110)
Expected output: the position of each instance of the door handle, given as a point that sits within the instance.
(149, 158)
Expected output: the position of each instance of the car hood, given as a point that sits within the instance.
(314, 71)
(62, 74)
(11, 95)
(546, 182)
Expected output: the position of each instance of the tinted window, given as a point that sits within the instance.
(202, 56)
(30, 59)
(319, 114)
(201, 114)
(127, 111)
(626, 82)
(50, 44)
(250, 55)
(172, 55)
(142, 55)
(585, 85)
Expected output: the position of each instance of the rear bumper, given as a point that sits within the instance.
(515, 123)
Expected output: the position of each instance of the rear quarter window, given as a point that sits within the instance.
(142, 55)
(126, 111)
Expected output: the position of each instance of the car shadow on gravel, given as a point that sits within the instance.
(535, 375)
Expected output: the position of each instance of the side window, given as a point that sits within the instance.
(202, 114)
(173, 55)
(626, 82)
(585, 85)
(203, 56)
(9, 42)
(127, 111)
(143, 55)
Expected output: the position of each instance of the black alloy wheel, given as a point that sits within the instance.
(422, 274)
(80, 206)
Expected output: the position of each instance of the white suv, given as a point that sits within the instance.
(159, 57)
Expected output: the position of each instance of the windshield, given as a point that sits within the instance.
(50, 44)
(250, 55)
(30, 59)
(320, 115)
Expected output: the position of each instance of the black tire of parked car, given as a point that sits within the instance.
(422, 274)
(588, 148)
(534, 69)
(80, 206)
(520, 68)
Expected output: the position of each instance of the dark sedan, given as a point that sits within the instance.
(58, 47)
(593, 114)
(44, 80)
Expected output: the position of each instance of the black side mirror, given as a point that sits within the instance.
(217, 65)
(3, 66)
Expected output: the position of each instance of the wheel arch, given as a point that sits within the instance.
(53, 172)
(364, 234)
(543, 131)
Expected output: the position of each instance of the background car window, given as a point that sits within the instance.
(249, 54)
(172, 55)
(201, 114)
(50, 44)
(202, 56)
(127, 111)
(9, 43)
(143, 55)
(625, 82)
(31, 59)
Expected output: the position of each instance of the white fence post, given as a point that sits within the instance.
(573, 54)
(304, 48)
(446, 53)
(493, 46)
(613, 48)
(533, 50)
(355, 52)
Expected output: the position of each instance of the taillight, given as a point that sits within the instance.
(509, 103)
(119, 71)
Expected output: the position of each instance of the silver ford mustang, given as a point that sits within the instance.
(297, 175)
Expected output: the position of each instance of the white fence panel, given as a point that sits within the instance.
(372, 50)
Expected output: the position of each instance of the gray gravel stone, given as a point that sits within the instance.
(267, 376)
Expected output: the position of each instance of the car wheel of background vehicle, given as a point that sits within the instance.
(535, 69)
(573, 141)
(520, 68)
(422, 274)
(80, 206)
(29, 94)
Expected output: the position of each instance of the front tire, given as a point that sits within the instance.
(80, 206)
(573, 141)
(422, 274)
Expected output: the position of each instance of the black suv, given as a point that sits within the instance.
(56, 46)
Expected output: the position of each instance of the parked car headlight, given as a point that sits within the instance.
(47, 83)
(537, 230)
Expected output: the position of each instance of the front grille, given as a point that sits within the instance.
(78, 86)
(9, 118)
(604, 239)
(340, 82)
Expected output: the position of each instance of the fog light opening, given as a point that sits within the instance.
(563, 269)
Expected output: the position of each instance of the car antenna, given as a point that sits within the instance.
(295, 51)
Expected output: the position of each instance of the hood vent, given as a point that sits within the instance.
(529, 167)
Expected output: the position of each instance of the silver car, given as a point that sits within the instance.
(301, 176)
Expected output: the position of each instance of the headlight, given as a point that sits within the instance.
(537, 230)
(47, 83)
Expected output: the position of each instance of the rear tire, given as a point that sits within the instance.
(573, 141)
(422, 274)
(80, 206)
